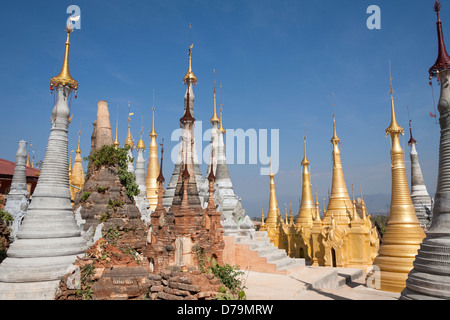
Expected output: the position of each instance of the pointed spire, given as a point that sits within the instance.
(215, 119)
(64, 78)
(141, 144)
(116, 141)
(305, 161)
(394, 128)
(221, 129)
(272, 215)
(187, 117)
(129, 140)
(443, 59)
(190, 77)
(153, 132)
(335, 139)
(78, 148)
(291, 214)
(412, 140)
(363, 205)
(160, 178)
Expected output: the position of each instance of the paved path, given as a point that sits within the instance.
(312, 284)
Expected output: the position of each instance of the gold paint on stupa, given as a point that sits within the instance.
(129, 140)
(151, 180)
(190, 77)
(342, 238)
(403, 235)
(140, 144)
(215, 119)
(307, 206)
(64, 78)
(77, 176)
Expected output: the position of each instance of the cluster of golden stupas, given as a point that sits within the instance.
(345, 236)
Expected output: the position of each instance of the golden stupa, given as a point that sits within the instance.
(153, 168)
(77, 175)
(342, 238)
(285, 233)
(64, 78)
(129, 140)
(403, 235)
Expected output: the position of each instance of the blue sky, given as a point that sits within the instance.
(278, 62)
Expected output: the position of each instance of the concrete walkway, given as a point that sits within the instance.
(313, 283)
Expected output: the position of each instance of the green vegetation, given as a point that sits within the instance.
(112, 235)
(114, 204)
(101, 189)
(85, 290)
(112, 156)
(230, 276)
(85, 196)
(6, 218)
(380, 221)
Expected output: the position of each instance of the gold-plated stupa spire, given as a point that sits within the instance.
(77, 175)
(153, 167)
(129, 140)
(221, 129)
(307, 207)
(64, 78)
(403, 235)
(273, 214)
(141, 144)
(339, 200)
(116, 141)
(190, 77)
(215, 119)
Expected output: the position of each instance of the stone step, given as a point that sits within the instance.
(29, 290)
(36, 248)
(276, 255)
(35, 269)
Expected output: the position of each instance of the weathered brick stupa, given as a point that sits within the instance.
(430, 277)
(186, 232)
(419, 194)
(18, 201)
(103, 133)
(48, 240)
(109, 189)
(189, 79)
(403, 234)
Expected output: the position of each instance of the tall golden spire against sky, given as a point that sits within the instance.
(129, 140)
(273, 214)
(403, 235)
(151, 181)
(221, 129)
(190, 77)
(64, 78)
(77, 175)
(215, 119)
(307, 207)
(141, 144)
(339, 201)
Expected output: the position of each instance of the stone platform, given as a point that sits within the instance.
(313, 283)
